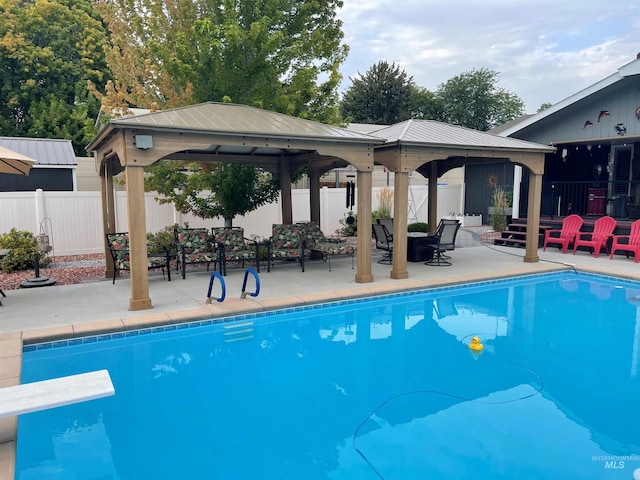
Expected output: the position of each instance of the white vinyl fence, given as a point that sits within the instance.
(73, 220)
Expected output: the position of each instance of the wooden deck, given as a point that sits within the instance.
(516, 233)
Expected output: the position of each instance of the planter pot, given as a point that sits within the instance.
(507, 211)
(467, 220)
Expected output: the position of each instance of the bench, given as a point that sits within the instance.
(118, 244)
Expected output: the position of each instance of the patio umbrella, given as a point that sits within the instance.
(14, 162)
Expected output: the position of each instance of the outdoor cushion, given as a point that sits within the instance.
(232, 246)
(118, 244)
(194, 246)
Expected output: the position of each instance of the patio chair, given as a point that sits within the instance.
(383, 242)
(194, 246)
(602, 231)
(443, 240)
(287, 243)
(628, 243)
(234, 247)
(571, 225)
(118, 244)
(322, 247)
(388, 224)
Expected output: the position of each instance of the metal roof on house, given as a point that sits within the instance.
(46, 151)
(432, 133)
(242, 120)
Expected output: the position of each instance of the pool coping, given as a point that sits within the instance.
(12, 344)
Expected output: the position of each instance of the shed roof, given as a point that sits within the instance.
(438, 134)
(46, 151)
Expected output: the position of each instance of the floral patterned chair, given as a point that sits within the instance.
(118, 244)
(194, 246)
(286, 242)
(234, 247)
(319, 246)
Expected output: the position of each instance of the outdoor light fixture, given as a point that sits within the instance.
(144, 142)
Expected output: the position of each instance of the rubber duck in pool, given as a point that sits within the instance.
(475, 345)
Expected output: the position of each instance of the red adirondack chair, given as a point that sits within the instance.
(628, 243)
(571, 225)
(598, 239)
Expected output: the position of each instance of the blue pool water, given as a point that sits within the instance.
(383, 388)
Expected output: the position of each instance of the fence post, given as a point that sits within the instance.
(40, 213)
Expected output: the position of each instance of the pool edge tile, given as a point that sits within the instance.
(98, 327)
(39, 335)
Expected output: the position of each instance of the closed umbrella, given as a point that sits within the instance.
(14, 162)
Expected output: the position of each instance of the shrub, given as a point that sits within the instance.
(163, 238)
(418, 227)
(498, 219)
(349, 225)
(385, 204)
(24, 248)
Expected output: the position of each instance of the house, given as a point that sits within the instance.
(55, 169)
(596, 167)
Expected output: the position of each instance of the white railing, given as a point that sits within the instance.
(73, 220)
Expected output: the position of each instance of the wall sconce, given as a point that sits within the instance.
(143, 142)
(564, 154)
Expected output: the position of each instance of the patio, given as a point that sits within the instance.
(47, 313)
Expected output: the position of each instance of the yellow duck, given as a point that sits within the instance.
(475, 345)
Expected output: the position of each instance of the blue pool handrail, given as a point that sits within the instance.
(244, 294)
(222, 296)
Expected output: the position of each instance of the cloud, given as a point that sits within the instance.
(544, 51)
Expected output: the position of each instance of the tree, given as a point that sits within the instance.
(49, 50)
(473, 100)
(269, 54)
(383, 95)
(544, 106)
(425, 105)
(235, 189)
(281, 55)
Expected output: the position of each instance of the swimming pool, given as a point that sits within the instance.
(370, 388)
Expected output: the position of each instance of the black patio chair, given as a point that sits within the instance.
(442, 241)
(383, 242)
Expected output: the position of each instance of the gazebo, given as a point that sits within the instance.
(281, 144)
(433, 148)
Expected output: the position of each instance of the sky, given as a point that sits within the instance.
(544, 50)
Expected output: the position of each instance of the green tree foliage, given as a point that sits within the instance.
(383, 95)
(473, 100)
(280, 55)
(235, 189)
(425, 105)
(48, 51)
(544, 106)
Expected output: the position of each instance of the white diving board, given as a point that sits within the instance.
(57, 392)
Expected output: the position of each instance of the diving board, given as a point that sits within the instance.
(57, 392)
